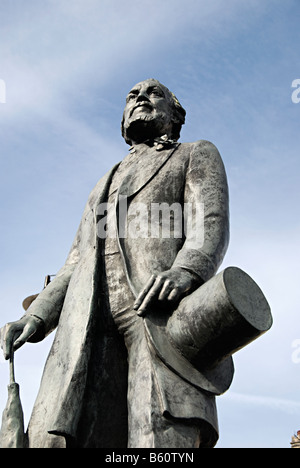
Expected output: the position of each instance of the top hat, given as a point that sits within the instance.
(222, 316)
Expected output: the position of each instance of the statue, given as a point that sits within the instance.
(295, 443)
(146, 327)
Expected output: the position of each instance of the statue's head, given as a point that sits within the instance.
(151, 111)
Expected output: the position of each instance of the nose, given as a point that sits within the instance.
(143, 96)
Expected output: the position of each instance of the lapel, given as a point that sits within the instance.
(144, 170)
(99, 192)
(137, 178)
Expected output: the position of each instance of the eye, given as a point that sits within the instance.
(156, 92)
(131, 96)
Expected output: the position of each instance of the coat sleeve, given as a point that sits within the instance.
(206, 212)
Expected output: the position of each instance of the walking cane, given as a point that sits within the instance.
(12, 430)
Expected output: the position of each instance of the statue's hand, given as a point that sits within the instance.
(169, 286)
(14, 334)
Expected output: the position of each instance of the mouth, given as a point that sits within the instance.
(144, 104)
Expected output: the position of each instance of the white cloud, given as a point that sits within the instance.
(277, 404)
(86, 40)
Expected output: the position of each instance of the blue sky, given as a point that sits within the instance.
(67, 67)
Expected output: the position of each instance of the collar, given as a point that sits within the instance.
(160, 143)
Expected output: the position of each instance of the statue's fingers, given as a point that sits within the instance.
(166, 290)
(10, 334)
(152, 295)
(144, 292)
(174, 295)
(28, 330)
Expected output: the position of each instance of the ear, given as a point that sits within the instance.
(123, 132)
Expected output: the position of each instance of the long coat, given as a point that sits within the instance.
(185, 173)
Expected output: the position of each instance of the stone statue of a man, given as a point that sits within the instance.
(134, 362)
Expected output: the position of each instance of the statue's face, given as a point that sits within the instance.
(148, 112)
